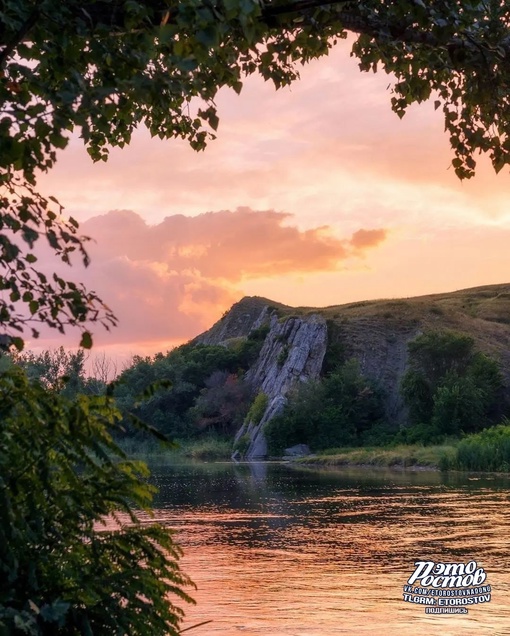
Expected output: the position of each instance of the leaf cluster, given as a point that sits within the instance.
(76, 553)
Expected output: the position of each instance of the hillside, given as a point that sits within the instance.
(302, 341)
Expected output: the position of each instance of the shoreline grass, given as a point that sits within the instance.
(486, 451)
(403, 456)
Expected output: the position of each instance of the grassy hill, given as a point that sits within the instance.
(481, 312)
(377, 332)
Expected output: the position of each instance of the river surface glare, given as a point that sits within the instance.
(276, 550)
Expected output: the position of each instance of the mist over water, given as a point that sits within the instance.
(278, 550)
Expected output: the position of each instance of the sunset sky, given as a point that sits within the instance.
(313, 195)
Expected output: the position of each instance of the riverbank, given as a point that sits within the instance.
(486, 451)
(204, 449)
(416, 457)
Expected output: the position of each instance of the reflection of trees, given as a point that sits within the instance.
(351, 517)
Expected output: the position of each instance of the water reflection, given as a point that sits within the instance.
(276, 550)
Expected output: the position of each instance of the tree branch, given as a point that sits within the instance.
(21, 35)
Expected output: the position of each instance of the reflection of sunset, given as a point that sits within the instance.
(321, 162)
(281, 551)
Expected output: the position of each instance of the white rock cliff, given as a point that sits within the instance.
(293, 352)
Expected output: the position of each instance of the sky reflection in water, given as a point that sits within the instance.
(275, 550)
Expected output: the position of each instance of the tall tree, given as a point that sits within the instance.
(449, 386)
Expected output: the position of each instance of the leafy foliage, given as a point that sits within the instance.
(30, 295)
(222, 404)
(337, 411)
(257, 408)
(104, 68)
(75, 554)
(242, 445)
(203, 390)
(449, 388)
(488, 450)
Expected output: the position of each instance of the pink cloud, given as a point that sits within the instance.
(169, 281)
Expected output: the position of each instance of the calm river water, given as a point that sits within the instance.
(276, 550)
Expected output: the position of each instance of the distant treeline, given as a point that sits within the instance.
(192, 390)
(450, 390)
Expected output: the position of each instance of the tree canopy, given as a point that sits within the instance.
(102, 68)
(450, 387)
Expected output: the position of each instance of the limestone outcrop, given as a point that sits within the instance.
(293, 352)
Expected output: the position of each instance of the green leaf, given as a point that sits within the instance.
(86, 340)
(56, 612)
(209, 36)
(214, 121)
(18, 343)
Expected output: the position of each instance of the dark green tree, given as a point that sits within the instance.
(330, 413)
(449, 386)
(188, 400)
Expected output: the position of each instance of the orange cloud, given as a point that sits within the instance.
(167, 282)
(363, 239)
(226, 245)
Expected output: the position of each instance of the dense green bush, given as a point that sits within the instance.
(488, 450)
(183, 374)
(250, 349)
(335, 412)
(222, 405)
(64, 572)
(242, 444)
(207, 448)
(449, 388)
(190, 400)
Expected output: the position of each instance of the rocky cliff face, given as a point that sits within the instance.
(293, 352)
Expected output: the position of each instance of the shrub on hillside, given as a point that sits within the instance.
(335, 412)
(449, 388)
(257, 409)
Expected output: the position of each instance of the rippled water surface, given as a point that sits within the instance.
(277, 550)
